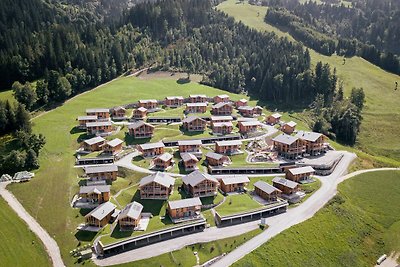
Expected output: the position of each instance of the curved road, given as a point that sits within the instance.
(49, 243)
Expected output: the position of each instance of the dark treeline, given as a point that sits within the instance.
(15, 120)
(368, 29)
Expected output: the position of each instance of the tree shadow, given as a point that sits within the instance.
(130, 140)
(85, 236)
(183, 80)
(76, 129)
(117, 233)
(83, 137)
(149, 205)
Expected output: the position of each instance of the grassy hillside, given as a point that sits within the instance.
(19, 246)
(56, 181)
(353, 229)
(378, 135)
(6, 95)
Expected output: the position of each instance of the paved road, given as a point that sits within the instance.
(276, 225)
(297, 215)
(50, 244)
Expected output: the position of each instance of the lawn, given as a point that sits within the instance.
(55, 182)
(239, 160)
(7, 95)
(237, 203)
(353, 229)
(206, 251)
(19, 246)
(378, 135)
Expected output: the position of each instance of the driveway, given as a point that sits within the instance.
(49, 243)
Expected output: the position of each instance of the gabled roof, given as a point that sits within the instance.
(87, 118)
(192, 118)
(237, 179)
(148, 101)
(98, 123)
(94, 188)
(309, 136)
(184, 203)
(214, 155)
(276, 115)
(174, 97)
(301, 170)
(94, 140)
(188, 156)
(119, 108)
(246, 108)
(222, 124)
(115, 142)
(197, 177)
(285, 139)
(141, 109)
(165, 157)
(99, 110)
(151, 145)
(221, 118)
(202, 104)
(223, 96)
(265, 187)
(132, 210)
(291, 124)
(221, 104)
(250, 123)
(101, 168)
(102, 211)
(195, 96)
(161, 178)
(242, 100)
(138, 124)
(229, 143)
(285, 182)
(189, 143)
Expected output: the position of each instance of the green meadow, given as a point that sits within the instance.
(379, 130)
(353, 229)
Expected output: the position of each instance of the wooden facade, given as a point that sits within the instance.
(221, 98)
(274, 118)
(113, 147)
(267, 191)
(241, 103)
(129, 217)
(100, 172)
(100, 216)
(315, 143)
(188, 208)
(299, 174)
(100, 113)
(288, 146)
(163, 161)
(234, 184)
(228, 147)
(93, 144)
(289, 127)
(82, 120)
(214, 159)
(222, 127)
(141, 129)
(199, 184)
(246, 127)
(173, 101)
(156, 186)
(194, 124)
(189, 161)
(95, 194)
(151, 149)
(196, 108)
(99, 127)
(286, 186)
(222, 108)
(148, 104)
(118, 112)
(140, 113)
(198, 98)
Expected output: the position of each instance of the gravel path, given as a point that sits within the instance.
(50, 244)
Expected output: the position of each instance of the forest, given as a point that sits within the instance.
(367, 28)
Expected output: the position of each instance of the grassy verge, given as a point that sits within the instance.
(19, 246)
(353, 229)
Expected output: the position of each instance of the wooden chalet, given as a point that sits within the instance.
(194, 124)
(189, 161)
(267, 191)
(113, 147)
(82, 120)
(100, 216)
(198, 99)
(129, 217)
(314, 142)
(148, 104)
(299, 174)
(141, 129)
(221, 98)
(102, 172)
(100, 128)
(184, 209)
(163, 161)
(174, 101)
(215, 119)
(214, 159)
(241, 103)
(274, 118)
(191, 146)
(247, 111)
(100, 113)
(235, 183)
(246, 127)
(222, 127)
(289, 127)
(140, 113)
(286, 186)
(118, 113)
(158, 185)
(95, 194)
(222, 108)
(151, 149)
(196, 108)
(288, 146)
(228, 147)
(93, 144)
(199, 184)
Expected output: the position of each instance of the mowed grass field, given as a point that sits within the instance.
(357, 226)
(19, 246)
(48, 196)
(379, 130)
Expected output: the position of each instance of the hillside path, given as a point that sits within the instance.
(49, 243)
